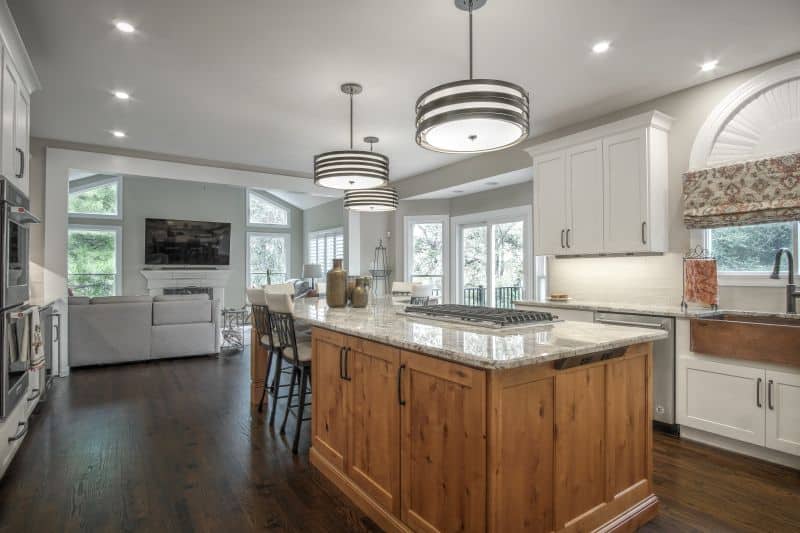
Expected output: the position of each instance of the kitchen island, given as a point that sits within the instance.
(435, 426)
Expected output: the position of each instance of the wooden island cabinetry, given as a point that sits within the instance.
(426, 444)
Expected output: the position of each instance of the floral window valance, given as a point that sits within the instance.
(754, 192)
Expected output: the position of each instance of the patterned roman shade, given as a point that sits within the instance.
(755, 192)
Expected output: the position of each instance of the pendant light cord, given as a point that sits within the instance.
(470, 38)
(351, 120)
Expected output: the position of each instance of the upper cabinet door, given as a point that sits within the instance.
(626, 192)
(8, 110)
(22, 138)
(783, 412)
(550, 204)
(585, 196)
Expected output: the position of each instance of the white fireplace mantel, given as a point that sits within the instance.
(177, 278)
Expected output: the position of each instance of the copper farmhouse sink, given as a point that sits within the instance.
(774, 339)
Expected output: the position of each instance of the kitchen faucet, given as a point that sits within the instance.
(792, 294)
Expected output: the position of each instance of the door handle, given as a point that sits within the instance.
(347, 376)
(562, 238)
(568, 230)
(644, 232)
(758, 393)
(21, 163)
(769, 395)
(631, 324)
(400, 398)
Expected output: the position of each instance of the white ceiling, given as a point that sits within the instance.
(478, 185)
(257, 83)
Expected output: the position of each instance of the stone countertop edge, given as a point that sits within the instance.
(536, 345)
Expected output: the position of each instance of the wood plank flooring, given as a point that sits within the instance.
(175, 446)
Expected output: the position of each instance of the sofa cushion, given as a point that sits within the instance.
(181, 297)
(121, 299)
(182, 312)
(180, 340)
(79, 300)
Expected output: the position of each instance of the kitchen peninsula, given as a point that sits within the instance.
(436, 426)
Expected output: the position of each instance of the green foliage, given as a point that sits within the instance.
(92, 262)
(262, 211)
(100, 200)
(749, 248)
(267, 253)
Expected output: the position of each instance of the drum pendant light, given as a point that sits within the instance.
(351, 169)
(377, 200)
(474, 115)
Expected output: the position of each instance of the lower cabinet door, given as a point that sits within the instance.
(783, 412)
(374, 451)
(725, 399)
(443, 445)
(330, 410)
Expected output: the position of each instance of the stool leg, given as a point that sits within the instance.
(300, 408)
(266, 382)
(289, 399)
(276, 385)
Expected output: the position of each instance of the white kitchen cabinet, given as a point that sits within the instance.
(551, 213)
(724, 399)
(12, 432)
(604, 190)
(783, 411)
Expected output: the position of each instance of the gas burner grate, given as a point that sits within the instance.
(468, 313)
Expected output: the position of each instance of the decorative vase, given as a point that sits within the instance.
(360, 295)
(336, 289)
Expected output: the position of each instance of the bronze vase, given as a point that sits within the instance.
(360, 295)
(336, 289)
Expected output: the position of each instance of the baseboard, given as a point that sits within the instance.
(387, 521)
(744, 448)
(634, 518)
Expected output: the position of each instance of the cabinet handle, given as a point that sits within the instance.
(644, 232)
(21, 163)
(562, 238)
(400, 398)
(58, 333)
(20, 433)
(758, 393)
(36, 394)
(568, 246)
(347, 375)
(341, 362)
(769, 395)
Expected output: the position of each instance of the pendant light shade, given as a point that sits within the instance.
(377, 200)
(474, 115)
(351, 169)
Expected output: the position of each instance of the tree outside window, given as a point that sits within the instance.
(262, 211)
(267, 258)
(742, 249)
(95, 198)
(92, 262)
(428, 255)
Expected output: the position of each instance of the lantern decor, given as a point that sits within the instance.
(380, 270)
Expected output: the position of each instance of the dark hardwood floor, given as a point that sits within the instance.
(175, 446)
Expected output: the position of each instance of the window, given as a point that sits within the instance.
(261, 211)
(426, 251)
(493, 257)
(325, 246)
(96, 198)
(267, 258)
(748, 252)
(94, 260)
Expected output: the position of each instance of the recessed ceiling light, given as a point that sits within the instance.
(121, 95)
(708, 66)
(601, 47)
(125, 27)
(118, 134)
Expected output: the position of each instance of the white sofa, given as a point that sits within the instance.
(119, 329)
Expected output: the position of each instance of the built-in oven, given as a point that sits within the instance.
(16, 340)
(15, 220)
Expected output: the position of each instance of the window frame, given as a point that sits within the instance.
(117, 252)
(408, 247)
(99, 183)
(491, 218)
(702, 237)
(271, 201)
(287, 237)
(313, 235)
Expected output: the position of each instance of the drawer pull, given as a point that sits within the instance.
(758, 393)
(20, 432)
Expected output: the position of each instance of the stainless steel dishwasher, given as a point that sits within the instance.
(663, 363)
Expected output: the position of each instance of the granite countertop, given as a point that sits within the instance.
(468, 344)
(646, 309)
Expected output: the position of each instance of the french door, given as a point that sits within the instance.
(493, 258)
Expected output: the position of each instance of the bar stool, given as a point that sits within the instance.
(281, 319)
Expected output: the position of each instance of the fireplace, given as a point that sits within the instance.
(190, 290)
(188, 281)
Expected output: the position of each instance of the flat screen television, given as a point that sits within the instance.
(186, 242)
